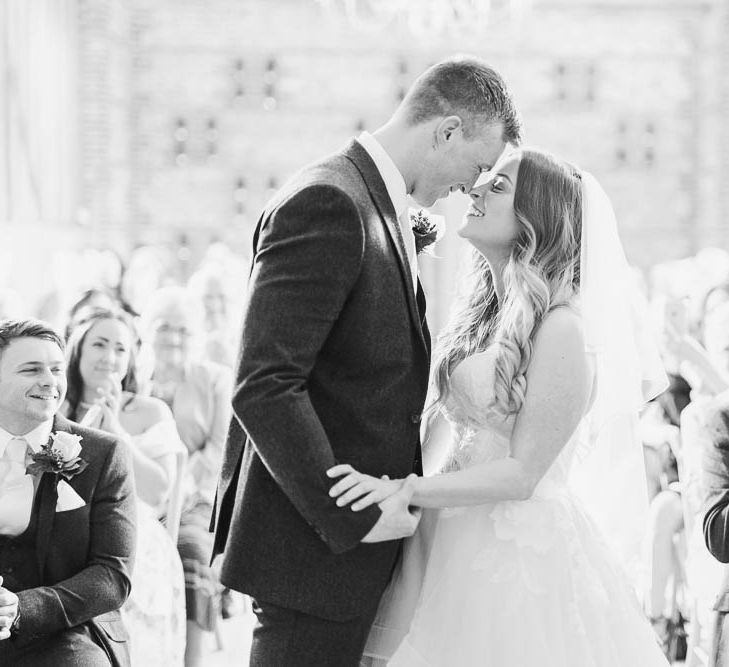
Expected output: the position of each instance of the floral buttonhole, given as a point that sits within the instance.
(59, 456)
(427, 229)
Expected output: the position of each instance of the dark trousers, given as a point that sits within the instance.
(74, 646)
(285, 637)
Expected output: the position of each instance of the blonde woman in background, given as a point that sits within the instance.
(199, 394)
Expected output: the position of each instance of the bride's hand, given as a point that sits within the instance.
(365, 489)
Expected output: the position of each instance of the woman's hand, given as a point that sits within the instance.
(365, 489)
(111, 394)
(109, 400)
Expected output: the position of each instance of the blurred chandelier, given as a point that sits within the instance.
(429, 17)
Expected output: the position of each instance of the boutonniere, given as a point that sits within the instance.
(427, 230)
(60, 456)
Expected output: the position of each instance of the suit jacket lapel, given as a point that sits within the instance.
(423, 321)
(45, 504)
(376, 187)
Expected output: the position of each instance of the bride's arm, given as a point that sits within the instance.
(436, 438)
(559, 381)
(559, 384)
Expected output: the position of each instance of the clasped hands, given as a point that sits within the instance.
(393, 497)
(107, 405)
(8, 610)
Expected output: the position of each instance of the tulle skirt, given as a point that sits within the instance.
(514, 584)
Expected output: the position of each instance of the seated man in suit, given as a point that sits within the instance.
(67, 516)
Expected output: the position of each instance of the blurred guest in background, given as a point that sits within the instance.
(89, 299)
(199, 394)
(208, 286)
(149, 267)
(102, 393)
(716, 518)
(704, 360)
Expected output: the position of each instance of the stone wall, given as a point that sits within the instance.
(226, 99)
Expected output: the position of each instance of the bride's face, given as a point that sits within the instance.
(490, 223)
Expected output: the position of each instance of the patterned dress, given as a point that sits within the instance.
(155, 611)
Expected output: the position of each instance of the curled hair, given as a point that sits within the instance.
(467, 88)
(84, 322)
(542, 273)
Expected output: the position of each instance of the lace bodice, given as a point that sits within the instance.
(479, 433)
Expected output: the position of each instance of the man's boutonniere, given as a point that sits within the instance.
(60, 456)
(427, 230)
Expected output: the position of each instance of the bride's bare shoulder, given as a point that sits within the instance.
(560, 327)
(559, 359)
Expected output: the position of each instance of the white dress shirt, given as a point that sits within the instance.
(395, 184)
(16, 488)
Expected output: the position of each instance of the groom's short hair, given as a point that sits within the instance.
(11, 330)
(468, 88)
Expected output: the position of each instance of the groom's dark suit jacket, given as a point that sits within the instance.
(71, 569)
(333, 368)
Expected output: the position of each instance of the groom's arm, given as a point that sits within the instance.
(104, 583)
(309, 257)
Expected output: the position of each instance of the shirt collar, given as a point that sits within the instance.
(394, 182)
(35, 438)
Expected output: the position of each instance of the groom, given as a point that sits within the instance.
(334, 367)
(66, 540)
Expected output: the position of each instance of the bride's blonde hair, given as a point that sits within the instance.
(542, 273)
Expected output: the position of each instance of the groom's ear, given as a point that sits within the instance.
(447, 129)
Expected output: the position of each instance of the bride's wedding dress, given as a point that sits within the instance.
(511, 584)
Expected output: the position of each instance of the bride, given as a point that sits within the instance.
(540, 374)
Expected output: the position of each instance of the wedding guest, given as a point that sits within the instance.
(683, 552)
(102, 393)
(714, 327)
(220, 337)
(89, 299)
(149, 267)
(59, 597)
(716, 517)
(664, 540)
(715, 462)
(199, 394)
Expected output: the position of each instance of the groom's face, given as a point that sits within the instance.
(32, 383)
(455, 162)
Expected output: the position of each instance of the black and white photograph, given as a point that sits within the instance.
(364, 333)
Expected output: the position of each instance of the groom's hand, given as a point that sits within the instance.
(396, 521)
(365, 490)
(8, 610)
